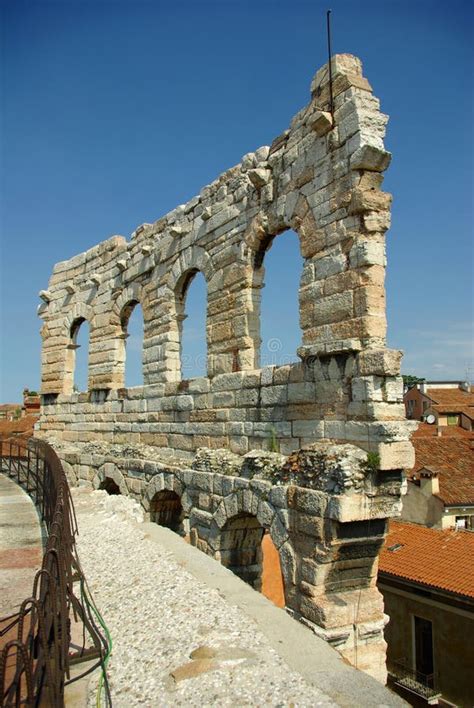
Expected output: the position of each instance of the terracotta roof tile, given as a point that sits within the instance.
(425, 430)
(431, 557)
(15, 427)
(451, 399)
(453, 458)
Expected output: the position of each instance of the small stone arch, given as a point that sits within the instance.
(133, 293)
(166, 510)
(79, 311)
(110, 472)
(241, 548)
(192, 259)
(241, 510)
(159, 482)
(70, 473)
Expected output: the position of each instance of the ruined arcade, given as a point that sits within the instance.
(311, 452)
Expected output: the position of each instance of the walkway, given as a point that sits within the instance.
(21, 549)
(187, 632)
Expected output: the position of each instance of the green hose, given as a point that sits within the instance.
(92, 606)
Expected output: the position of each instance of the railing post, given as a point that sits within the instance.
(36, 476)
(43, 494)
(28, 462)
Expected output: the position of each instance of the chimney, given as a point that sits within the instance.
(429, 482)
(423, 387)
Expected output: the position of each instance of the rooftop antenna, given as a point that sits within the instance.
(331, 100)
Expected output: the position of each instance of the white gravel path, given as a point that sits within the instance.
(158, 614)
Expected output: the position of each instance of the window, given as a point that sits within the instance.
(465, 522)
(282, 265)
(453, 419)
(79, 355)
(423, 651)
(192, 308)
(132, 328)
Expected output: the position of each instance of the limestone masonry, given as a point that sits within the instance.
(246, 450)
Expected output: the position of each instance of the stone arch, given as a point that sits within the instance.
(163, 481)
(241, 548)
(70, 473)
(121, 311)
(79, 313)
(191, 261)
(109, 471)
(166, 510)
(246, 504)
(122, 307)
(133, 293)
(258, 239)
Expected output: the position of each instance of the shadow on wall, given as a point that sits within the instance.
(110, 486)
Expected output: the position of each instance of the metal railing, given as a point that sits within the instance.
(36, 649)
(412, 680)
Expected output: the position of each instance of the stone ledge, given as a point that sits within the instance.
(298, 646)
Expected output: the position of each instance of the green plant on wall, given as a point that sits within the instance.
(274, 445)
(372, 463)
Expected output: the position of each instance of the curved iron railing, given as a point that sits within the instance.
(36, 651)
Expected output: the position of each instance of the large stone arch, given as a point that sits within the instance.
(80, 312)
(258, 238)
(123, 305)
(191, 260)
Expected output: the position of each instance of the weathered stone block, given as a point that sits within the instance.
(368, 157)
(396, 455)
(322, 123)
(379, 362)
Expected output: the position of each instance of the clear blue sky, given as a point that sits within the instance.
(114, 112)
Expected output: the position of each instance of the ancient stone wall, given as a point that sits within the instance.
(321, 178)
(325, 508)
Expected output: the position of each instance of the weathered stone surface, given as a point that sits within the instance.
(212, 447)
(379, 362)
(322, 122)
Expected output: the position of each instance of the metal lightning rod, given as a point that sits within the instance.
(331, 101)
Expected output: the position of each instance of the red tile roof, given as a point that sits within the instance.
(425, 430)
(430, 557)
(451, 400)
(452, 457)
(23, 426)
